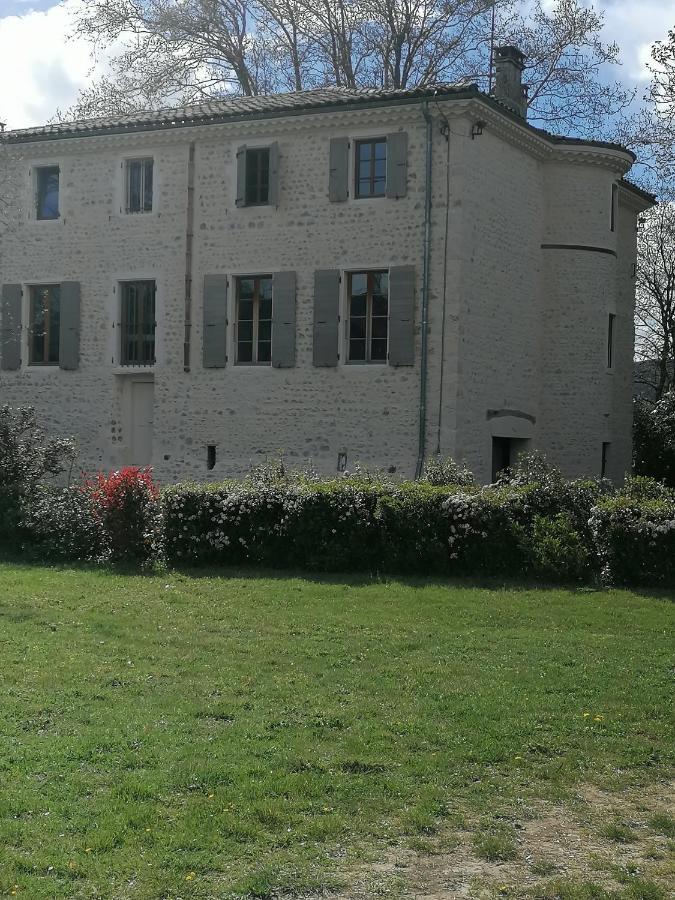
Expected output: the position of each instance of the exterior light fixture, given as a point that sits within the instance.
(477, 129)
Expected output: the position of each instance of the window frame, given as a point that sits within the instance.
(142, 161)
(258, 152)
(368, 360)
(37, 195)
(255, 320)
(32, 289)
(358, 143)
(139, 338)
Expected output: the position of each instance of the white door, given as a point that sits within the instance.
(142, 404)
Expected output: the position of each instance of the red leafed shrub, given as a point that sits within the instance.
(127, 501)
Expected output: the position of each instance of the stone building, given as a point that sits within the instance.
(343, 276)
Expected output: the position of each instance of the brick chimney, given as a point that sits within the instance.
(509, 89)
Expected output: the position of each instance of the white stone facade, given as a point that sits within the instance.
(524, 271)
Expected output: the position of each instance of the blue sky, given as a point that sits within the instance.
(42, 70)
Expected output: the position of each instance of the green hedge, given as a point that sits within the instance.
(414, 528)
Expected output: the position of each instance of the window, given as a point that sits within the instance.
(368, 314)
(47, 200)
(138, 323)
(610, 340)
(139, 178)
(615, 201)
(257, 176)
(45, 325)
(605, 460)
(371, 168)
(254, 320)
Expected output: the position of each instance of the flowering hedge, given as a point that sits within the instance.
(635, 540)
(364, 525)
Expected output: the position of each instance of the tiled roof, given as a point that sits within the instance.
(233, 108)
(239, 108)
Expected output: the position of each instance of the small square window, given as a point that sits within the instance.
(371, 168)
(368, 317)
(138, 323)
(254, 320)
(47, 192)
(139, 185)
(45, 325)
(257, 176)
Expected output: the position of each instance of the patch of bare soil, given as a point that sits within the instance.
(606, 838)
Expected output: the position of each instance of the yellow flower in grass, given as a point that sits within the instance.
(598, 718)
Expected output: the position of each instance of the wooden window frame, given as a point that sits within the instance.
(372, 179)
(256, 279)
(139, 337)
(368, 361)
(255, 200)
(142, 161)
(33, 289)
(39, 196)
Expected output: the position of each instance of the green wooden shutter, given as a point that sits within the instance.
(215, 321)
(401, 315)
(69, 332)
(241, 177)
(397, 164)
(273, 196)
(326, 316)
(338, 179)
(283, 320)
(10, 332)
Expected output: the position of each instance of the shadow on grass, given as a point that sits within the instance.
(30, 560)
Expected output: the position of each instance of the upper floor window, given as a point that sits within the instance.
(254, 320)
(139, 185)
(47, 192)
(371, 168)
(257, 176)
(614, 208)
(368, 316)
(44, 325)
(138, 323)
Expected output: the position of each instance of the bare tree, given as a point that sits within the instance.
(655, 298)
(189, 50)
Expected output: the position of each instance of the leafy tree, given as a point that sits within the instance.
(191, 50)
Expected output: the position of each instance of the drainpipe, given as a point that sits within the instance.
(425, 294)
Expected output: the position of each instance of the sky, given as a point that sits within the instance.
(42, 70)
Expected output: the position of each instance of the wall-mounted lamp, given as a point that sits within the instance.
(477, 129)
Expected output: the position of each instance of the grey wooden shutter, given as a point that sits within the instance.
(326, 313)
(283, 320)
(397, 164)
(338, 178)
(10, 332)
(401, 315)
(69, 330)
(215, 321)
(241, 177)
(273, 195)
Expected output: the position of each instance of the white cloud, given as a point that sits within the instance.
(41, 69)
(635, 26)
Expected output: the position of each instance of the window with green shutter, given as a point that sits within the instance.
(368, 317)
(44, 325)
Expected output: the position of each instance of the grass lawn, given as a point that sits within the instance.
(253, 735)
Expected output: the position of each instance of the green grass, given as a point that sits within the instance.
(204, 736)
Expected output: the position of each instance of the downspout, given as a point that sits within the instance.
(425, 294)
(189, 242)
